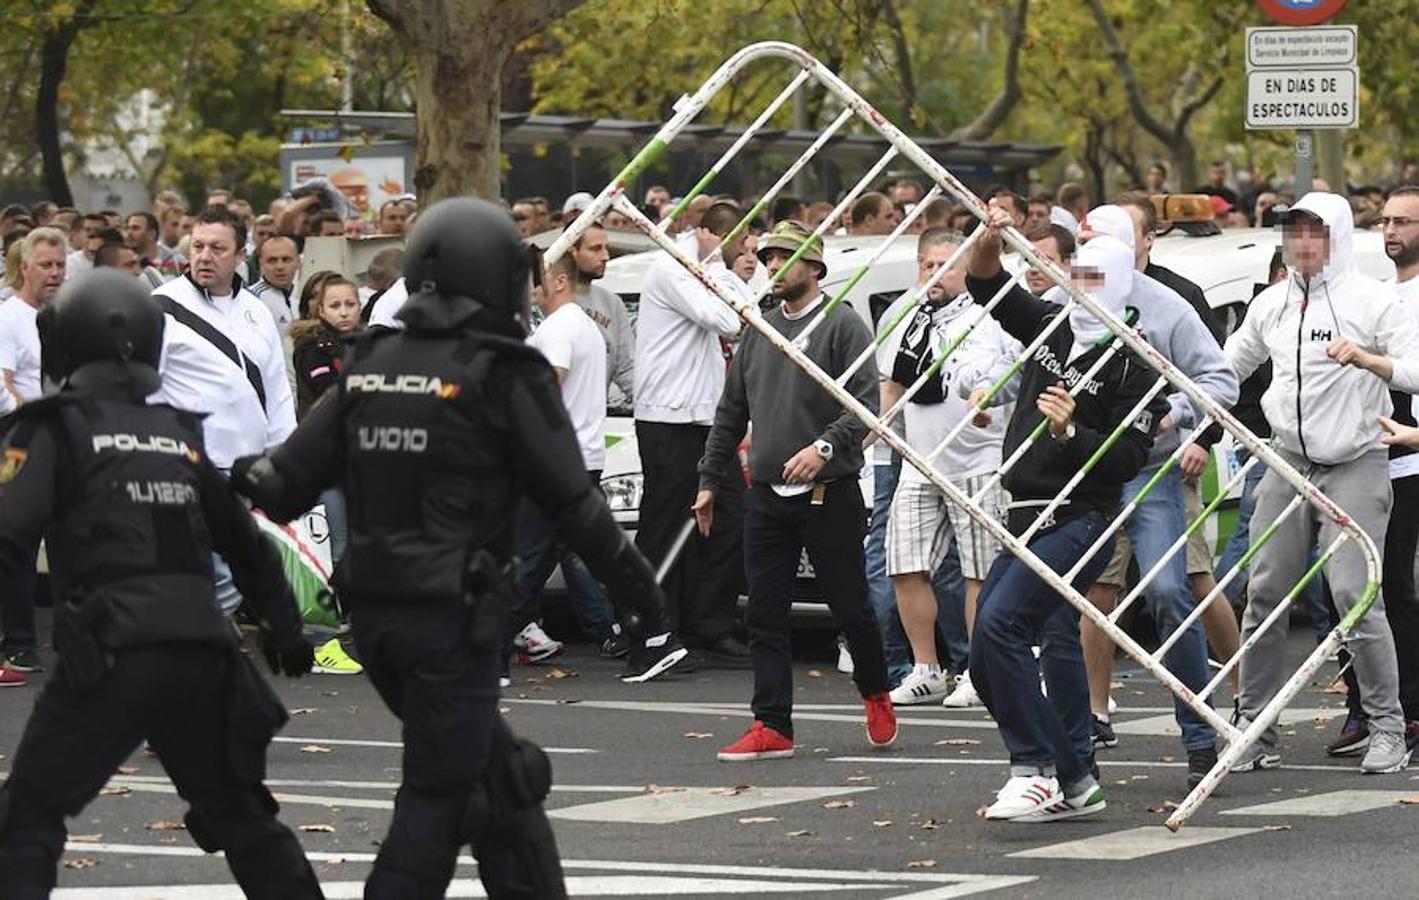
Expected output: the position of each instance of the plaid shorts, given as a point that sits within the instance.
(923, 522)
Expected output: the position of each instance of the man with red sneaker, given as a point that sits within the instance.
(803, 465)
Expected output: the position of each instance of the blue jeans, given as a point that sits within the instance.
(946, 582)
(538, 552)
(879, 585)
(1240, 542)
(1014, 610)
(1154, 525)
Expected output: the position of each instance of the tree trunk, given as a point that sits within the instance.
(459, 48)
(53, 61)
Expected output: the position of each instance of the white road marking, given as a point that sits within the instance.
(398, 745)
(386, 785)
(1333, 803)
(1103, 763)
(682, 805)
(1133, 843)
(922, 885)
(577, 886)
(740, 711)
(1167, 726)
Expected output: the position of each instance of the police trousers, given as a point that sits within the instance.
(456, 745)
(181, 698)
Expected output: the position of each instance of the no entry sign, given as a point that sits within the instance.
(1301, 12)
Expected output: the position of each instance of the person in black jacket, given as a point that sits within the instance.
(436, 432)
(131, 510)
(317, 341)
(1049, 779)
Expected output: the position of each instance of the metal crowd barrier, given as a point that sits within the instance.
(809, 69)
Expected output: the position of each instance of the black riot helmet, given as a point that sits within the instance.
(104, 327)
(466, 266)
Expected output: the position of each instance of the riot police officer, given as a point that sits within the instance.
(435, 432)
(132, 510)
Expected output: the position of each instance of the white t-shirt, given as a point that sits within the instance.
(19, 346)
(573, 343)
(1408, 292)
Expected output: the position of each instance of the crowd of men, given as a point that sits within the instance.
(930, 608)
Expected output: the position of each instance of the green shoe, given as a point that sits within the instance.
(331, 659)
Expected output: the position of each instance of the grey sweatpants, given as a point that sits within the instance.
(1361, 487)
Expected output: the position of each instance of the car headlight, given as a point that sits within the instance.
(623, 492)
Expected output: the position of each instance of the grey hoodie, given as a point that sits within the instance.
(1318, 408)
(1172, 326)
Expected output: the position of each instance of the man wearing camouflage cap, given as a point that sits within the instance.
(803, 465)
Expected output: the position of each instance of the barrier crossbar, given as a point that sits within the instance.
(1122, 338)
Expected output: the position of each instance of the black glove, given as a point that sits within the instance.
(292, 657)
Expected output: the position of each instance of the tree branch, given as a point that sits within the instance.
(1190, 108)
(384, 9)
(1009, 94)
(1136, 103)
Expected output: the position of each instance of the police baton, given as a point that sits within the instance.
(675, 550)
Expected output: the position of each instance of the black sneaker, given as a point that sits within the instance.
(644, 663)
(1354, 737)
(615, 647)
(1199, 763)
(24, 660)
(1104, 734)
(725, 653)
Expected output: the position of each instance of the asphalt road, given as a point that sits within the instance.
(642, 808)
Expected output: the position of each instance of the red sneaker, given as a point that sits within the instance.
(881, 720)
(11, 678)
(759, 742)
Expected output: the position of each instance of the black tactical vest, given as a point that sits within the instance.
(428, 475)
(129, 530)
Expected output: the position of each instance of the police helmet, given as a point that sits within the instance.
(103, 317)
(466, 249)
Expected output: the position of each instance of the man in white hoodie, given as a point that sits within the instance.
(679, 376)
(1337, 341)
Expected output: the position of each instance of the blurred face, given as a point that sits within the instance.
(797, 283)
(354, 227)
(1399, 223)
(1218, 174)
(1307, 243)
(42, 274)
(261, 232)
(1156, 177)
(184, 225)
(171, 227)
(340, 307)
(906, 192)
(393, 219)
(214, 256)
(331, 228)
(947, 286)
(137, 234)
(1049, 249)
(591, 254)
(1038, 214)
(279, 262)
(882, 223)
(1087, 279)
(1410, 173)
(525, 215)
(128, 262)
(657, 197)
(1017, 215)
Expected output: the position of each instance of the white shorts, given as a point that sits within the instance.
(923, 522)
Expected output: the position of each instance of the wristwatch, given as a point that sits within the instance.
(1069, 432)
(825, 449)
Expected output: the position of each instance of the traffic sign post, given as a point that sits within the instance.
(1303, 78)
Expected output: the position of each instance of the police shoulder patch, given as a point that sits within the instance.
(11, 464)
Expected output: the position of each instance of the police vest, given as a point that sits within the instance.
(428, 476)
(129, 530)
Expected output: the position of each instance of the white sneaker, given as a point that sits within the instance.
(1113, 707)
(964, 696)
(844, 658)
(533, 641)
(1024, 795)
(921, 686)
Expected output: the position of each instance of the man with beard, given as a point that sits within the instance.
(803, 465)
(1400, 224)
(607, 310)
